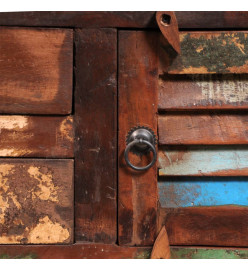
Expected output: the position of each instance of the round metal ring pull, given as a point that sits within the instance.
(140, 141)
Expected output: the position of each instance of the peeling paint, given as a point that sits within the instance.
(13, 122)
(36, 197)
(48, 232)
(202, 160)
(47, 189)
(209, 52)
(229, 89)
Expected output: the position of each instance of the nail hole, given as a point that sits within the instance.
(165, 19)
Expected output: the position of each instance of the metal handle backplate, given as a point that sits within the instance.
(141, 140)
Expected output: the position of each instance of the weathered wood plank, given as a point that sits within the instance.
(202, 191)
(137, 96)
(208, 253)
(75, 251)
(203, 91)
(131, 19)
(203, 161)
(210, 226)
(36, 201)
(102, 251)
(95, 135)
(207, 128)
(209, 52)
(36, 71)
(36, 136)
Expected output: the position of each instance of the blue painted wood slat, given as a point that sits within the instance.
(202, 191)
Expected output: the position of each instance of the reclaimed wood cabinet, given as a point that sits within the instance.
(73, 86)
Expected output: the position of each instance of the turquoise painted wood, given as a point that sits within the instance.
(203, 191)
(204, 160)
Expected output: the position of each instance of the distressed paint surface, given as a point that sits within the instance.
(36, 136)
(208, 253)
(212, 52)
(203, 191)
(203, 91)
(203, 160)
(36, 201)
(203, 128)
(36, 70)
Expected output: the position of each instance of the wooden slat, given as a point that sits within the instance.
(202, 191)
(36, 201)
(210, 52)
(36, 71)
(101, 251)
(95, 135)
(131, 19)
(208, 128)
(36, 136)
(137, 106)
(208, 253)
(216, 226)
(203, 91)
(76, 251)
(200, 161)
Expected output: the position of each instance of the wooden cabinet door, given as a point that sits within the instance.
(197, 104)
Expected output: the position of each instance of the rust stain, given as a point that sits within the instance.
(47, 189)
(66, 128)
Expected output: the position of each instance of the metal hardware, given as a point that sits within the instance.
(140, 141)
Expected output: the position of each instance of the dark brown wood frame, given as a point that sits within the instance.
(103, 101)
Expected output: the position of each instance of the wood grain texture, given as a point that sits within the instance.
(202, 191)
(168, 25)
(36, 136)
(95, 135)
(203, 161)
(209, 52)
(36, 71)
(75, 251)
(137, 106)
(210, 226)
(203, 91)
(207, 128)
(36, 201)
(132, 19)
(208, 253)
(161, 247)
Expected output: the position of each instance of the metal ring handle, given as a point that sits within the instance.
(130, 145)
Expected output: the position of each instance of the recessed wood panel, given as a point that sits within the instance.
(36, 136)
(36, 70)
(207, 128)
(200, 161)
(209, 52)
(207, 226)
(203, 91)
(36, 201)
